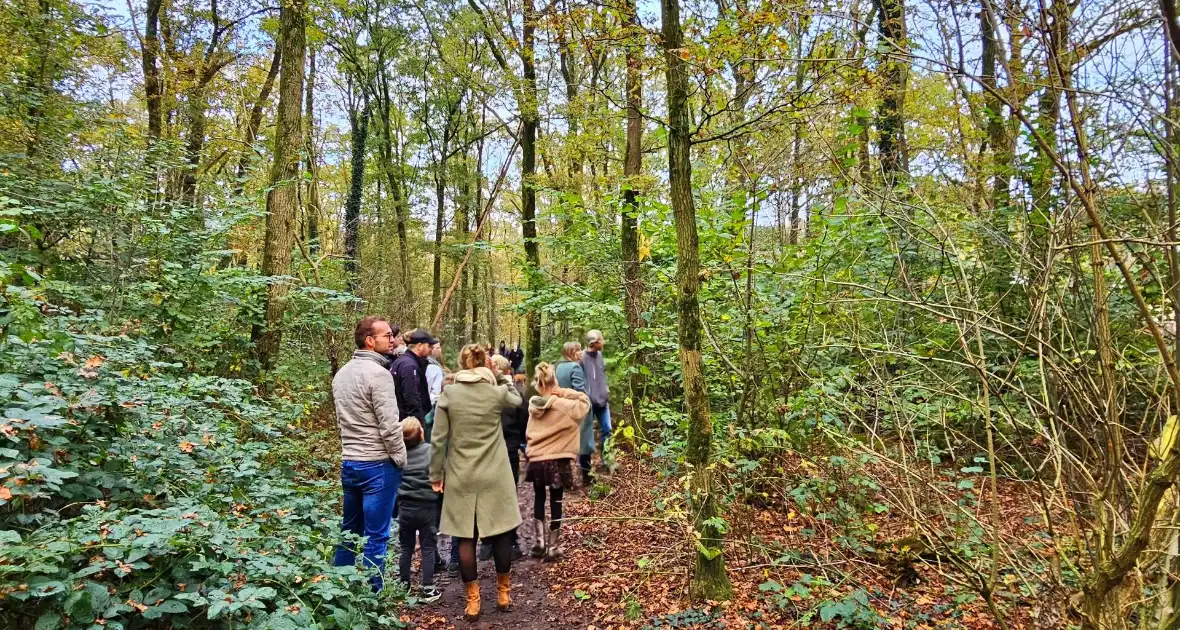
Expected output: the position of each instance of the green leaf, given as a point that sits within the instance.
(80, 605)
(48, 621)
(581, 595)
(169, 607)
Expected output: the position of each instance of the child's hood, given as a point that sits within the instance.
(538, 405)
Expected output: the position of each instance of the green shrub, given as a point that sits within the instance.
(136, 494)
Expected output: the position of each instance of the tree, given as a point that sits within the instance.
(312, 206)
(358, 126)
(151, 72)
(709, 581)
(633, 166)
(254, 122)
(526, 100)
(895, 67)
(282, 202)
(530, 118)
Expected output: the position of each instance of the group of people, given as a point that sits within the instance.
(443, 450)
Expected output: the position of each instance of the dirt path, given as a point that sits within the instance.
(533, 606)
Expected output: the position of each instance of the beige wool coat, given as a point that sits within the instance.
(469, 455)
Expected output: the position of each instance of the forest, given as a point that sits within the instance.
(890, 292)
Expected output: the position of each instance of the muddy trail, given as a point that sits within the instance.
(534, 604)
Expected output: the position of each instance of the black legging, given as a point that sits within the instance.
(554, 503)
(501, 554)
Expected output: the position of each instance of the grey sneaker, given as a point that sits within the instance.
(430, 594)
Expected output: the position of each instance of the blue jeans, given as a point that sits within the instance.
(370, 489)
(601, 415)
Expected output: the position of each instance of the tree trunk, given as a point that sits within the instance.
(633, 304)
(255, 121)
(440, 194)
(313, 169)
(194, 144)
(477, 205)
(1055, 19)
(358, 124)
(796, 153)
(283, 199)
(570, 76)
(391, 155)
(709, 581)
(465, 208)
(489, 284)
(895, 66)
(152, 87)
(1001, 153)
(529, 121)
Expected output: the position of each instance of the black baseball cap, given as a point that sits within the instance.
(421, 335)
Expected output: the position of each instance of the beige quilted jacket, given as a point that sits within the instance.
(366, 410)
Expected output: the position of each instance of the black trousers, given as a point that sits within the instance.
(514, 462)
(555, 496)
(417, 521)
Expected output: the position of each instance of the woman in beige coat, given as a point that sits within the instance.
(469, 465)
(555, 419)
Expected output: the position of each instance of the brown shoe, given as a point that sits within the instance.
(503, 586)
(472, 611)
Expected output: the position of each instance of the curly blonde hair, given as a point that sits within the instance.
(544, 378)
(472, 355)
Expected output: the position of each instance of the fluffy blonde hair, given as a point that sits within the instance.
(501, 362)
(412, 432)
(544, 378)
(473, 355)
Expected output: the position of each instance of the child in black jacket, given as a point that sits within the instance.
(418, 506)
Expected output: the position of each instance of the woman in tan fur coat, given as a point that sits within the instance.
(555, 419)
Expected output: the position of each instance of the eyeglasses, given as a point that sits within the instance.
(386, 335)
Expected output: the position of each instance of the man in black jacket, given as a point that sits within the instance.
(409, 376)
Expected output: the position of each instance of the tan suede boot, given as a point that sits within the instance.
(472, 610)
(503, 586)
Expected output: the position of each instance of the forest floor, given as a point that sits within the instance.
(533, 606)
(628, 557)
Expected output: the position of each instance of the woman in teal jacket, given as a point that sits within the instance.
(570, 375)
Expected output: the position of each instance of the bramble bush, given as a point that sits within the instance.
(134, 494)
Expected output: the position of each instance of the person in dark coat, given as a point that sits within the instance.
(409, 376)
(516, 357)
(418, 512)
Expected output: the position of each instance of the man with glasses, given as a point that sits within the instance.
(373, 451)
